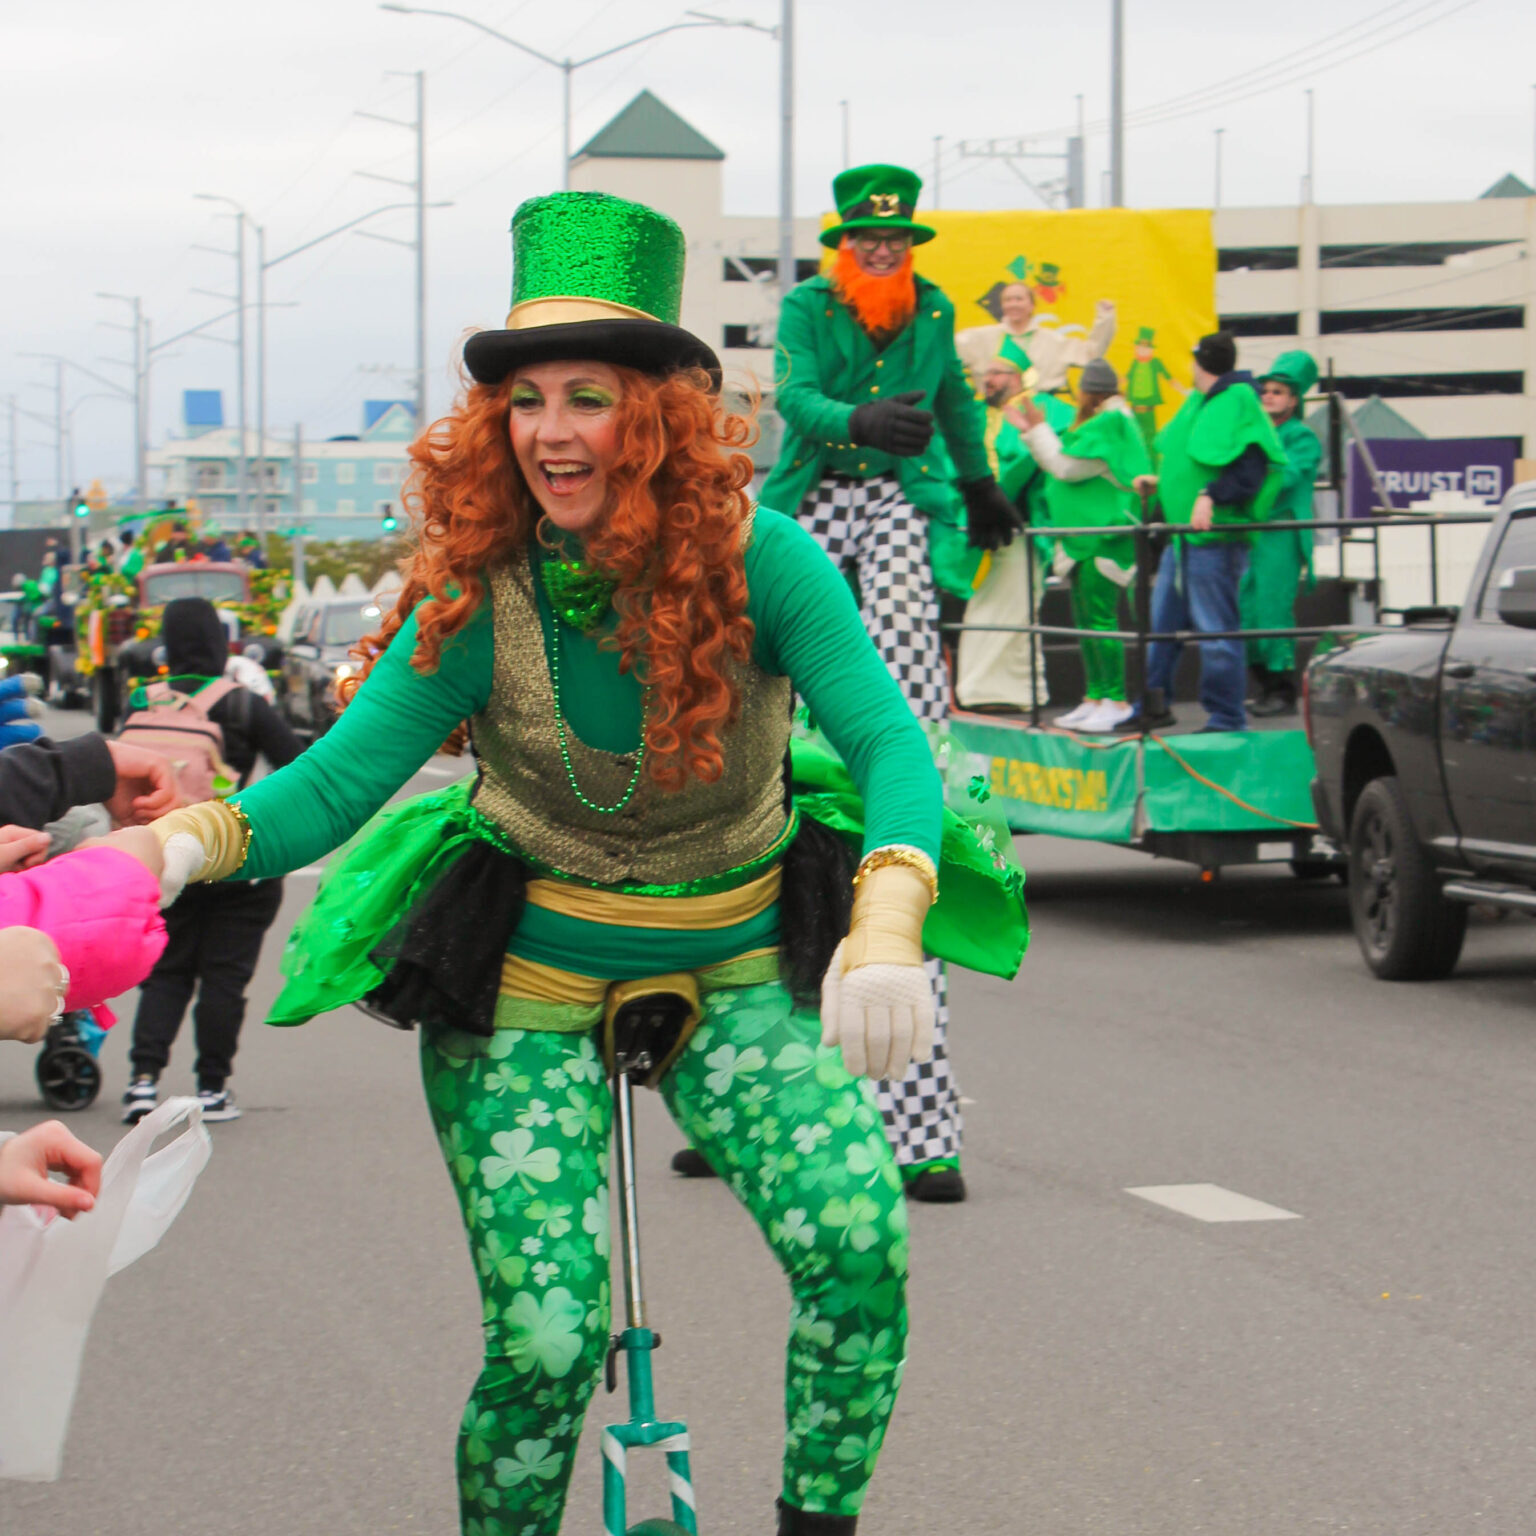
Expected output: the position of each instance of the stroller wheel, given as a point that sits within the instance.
(68, 1077)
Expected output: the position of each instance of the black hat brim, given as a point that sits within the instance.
(651, 346)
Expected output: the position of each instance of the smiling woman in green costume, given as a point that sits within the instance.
(592, 590)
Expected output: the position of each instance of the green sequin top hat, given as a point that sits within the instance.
(876, 197)
(1145, 336)
(597, 277)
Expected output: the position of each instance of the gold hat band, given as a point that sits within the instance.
(562, 309)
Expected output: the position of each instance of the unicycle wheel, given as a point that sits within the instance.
(657, 1528)
(68, 1077)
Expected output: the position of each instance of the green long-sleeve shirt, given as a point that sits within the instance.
(807, 629)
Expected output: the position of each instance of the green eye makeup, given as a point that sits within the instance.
(526, 394)
(591, 396)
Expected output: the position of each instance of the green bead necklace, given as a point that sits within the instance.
(565, 750)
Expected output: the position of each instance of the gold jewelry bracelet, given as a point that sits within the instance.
(903, 854)
(245, 830)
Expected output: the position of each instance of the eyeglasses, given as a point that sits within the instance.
(871, 243)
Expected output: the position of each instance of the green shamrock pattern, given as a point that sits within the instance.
(524, 1121)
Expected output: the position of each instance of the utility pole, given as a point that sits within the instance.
(1308, 185)
(297, 541)
(938, 149)
(261, 385)
(242, 467)
(418, 187)
(1216, 194)
(140, 366)
(60, 426)
(1077, 163)
(1117, 103)
(847, 159)
(786, 148)
(15, 479)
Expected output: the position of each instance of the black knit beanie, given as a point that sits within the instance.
(1217, 353)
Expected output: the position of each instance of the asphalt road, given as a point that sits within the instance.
(294, 1356)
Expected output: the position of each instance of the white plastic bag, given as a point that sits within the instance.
(52, 1273)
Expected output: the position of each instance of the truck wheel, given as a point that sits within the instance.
(1407, 930)
(104, 686)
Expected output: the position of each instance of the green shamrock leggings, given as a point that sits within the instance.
(524, 1118)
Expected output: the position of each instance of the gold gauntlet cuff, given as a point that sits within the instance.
(220, 827)
(890, 901)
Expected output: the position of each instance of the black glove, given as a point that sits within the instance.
(894, 426)
(991, 520)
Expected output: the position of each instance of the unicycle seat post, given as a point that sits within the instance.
(629, 1209)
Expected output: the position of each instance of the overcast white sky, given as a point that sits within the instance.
(112, 115)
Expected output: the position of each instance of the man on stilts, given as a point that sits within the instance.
(866, 369)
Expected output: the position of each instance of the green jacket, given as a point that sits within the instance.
(826, 365)
(1293, 502)
(1106, 501)
(1208, 433)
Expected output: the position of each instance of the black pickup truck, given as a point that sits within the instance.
(1425, 741)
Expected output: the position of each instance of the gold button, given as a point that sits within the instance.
(937, 313)
(829, 314)
(879, 362)
(925, 469)
(863, 466)
(797, 463)
(874, 389)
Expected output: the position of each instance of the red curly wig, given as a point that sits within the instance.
(672, 541)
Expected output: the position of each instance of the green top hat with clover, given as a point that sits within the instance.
(876, 197)
(596, 277)
(1145, 336)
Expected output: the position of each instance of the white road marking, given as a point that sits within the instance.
(1210, 1202)
(441, 773)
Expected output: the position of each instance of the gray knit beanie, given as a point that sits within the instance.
(1099, 379)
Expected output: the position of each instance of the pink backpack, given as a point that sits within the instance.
(176, 725)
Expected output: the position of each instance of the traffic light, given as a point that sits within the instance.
(390, 521)
(80, 506)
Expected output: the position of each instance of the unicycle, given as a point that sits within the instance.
(646, 1032)
(68, 1074)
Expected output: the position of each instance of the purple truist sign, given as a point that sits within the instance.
(1416, 470)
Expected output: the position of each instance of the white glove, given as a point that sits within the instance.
(881, 1016)
(184, 857)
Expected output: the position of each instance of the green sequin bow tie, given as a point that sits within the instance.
(579, 596)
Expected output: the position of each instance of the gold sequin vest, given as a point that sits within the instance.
(658, 838)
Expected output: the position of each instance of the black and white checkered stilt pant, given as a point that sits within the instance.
(870, 528)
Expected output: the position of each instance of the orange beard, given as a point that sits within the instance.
(882, 305)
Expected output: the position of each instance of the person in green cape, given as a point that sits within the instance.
(866, 373)
(591, 589)
(1090, 474)
(992, 667)
(1279, 561)
(1219, 467)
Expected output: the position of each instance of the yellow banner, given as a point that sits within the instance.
(1158, 268)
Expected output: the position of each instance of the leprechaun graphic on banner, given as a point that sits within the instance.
(1136, 287)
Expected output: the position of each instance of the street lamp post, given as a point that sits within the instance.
(241, 218)
(140, 404)
(567, 67)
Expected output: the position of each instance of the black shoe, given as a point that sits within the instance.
(801, 1522)
(691, 1165)
(1280, 700)
(142, 1096)
(937, 1186)
(1139, 724)
(218, 1104)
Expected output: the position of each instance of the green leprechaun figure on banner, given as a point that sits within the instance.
(1143, 385)
(866, 371)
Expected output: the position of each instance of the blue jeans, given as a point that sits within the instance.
(1197, 589)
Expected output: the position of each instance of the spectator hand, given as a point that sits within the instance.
(33, 983)
(146, 787)
(27, 1160)
(1105, 308)
(22, 848)
(137, 842)
(991, 520)
(1204, 514)
(1144, 485)
(895, 426)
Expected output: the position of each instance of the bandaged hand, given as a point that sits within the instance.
(876, 1001)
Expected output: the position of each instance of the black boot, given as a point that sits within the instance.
(691, 1165)
(1279, 697)
(800, 1522)
(1258, 684)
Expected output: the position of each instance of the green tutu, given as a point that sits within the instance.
(979, 920)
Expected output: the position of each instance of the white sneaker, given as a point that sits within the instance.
(1106, 717)
(1075, 717)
